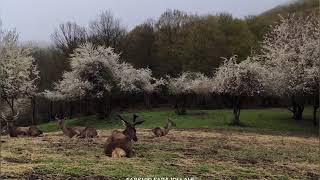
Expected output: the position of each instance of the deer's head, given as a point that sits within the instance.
(10, 120)
(170, 124)
(130, 129)
(60, 121)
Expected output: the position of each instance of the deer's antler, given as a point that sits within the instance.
(15, 117)
(56, 117)
(122, 119)
(3, 117)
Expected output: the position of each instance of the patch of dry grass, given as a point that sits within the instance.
(199, 153)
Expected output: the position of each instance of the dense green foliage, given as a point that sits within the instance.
(260, 120)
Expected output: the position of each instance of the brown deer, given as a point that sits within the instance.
(14, 131)
(119, 144)
(88, 132)
(68, 131)
(77, 131)
(35, 131)
(158, 132)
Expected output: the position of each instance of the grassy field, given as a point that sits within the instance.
(204, 146)
(206, 154)
(258, 120)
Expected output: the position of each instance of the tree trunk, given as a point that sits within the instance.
(50, 111)
(315, 108)
(108, 109)
(180, 105)
(147, 102)
(100, 108)
(79, 111)
(86, 109)
(297, 108)
(61, 113)
(70, 110)
(236, 110)
(33, 105)
(298, 114)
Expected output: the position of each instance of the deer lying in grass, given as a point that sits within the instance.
(14, 131)
(77, 131)
(119, 144)
(88, 132)
(158, 132)
(67, 131)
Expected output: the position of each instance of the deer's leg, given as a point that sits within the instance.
(131, 153)
(108, 148)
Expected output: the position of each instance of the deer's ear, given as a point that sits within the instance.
(139, 122)
(135, 117)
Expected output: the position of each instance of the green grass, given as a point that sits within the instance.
(272, 119)
(216, 154)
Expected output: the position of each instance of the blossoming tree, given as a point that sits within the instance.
(18, 71)
(291, 50)
(139, 80)
(239, 80)
(185, 84)
(97, 72)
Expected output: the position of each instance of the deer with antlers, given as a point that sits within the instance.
(14, 131)
(119, 144)
(77, 131)
(158, 132)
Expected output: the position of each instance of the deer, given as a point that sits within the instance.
(67, 131)
(119, 143)
(88, 132)
(77, 131)
(158, 132)
(14, 131)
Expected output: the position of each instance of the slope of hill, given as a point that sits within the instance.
(260, 24)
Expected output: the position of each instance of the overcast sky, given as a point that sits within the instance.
(36, 19)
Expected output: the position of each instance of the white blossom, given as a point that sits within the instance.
(189, 82)
(134, 80)
(18, 71)
(240, 79)
(291, 52)
(95, 71)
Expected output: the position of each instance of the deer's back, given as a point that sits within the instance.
(34, 131)
(69, 132)
(22, 131)
(89, 132)
(78, 129)
(158, 132)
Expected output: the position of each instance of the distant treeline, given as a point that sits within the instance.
(176, 42)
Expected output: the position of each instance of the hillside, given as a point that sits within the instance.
(260, 24)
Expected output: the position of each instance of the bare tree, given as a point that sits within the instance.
(69, 36)
(106, 30)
